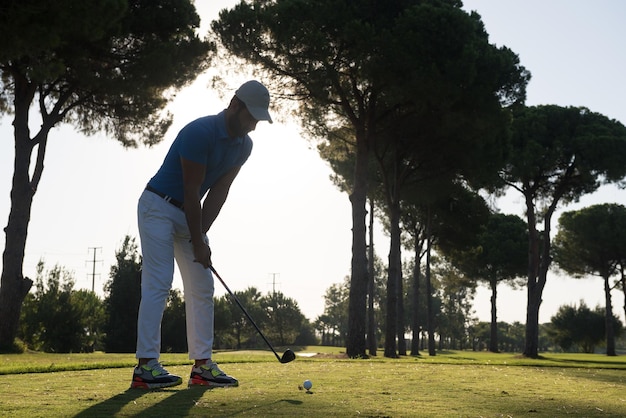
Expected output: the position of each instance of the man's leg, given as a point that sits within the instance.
(156, 235)
(199, 305)
(199, 310)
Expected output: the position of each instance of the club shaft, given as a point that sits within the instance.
(245, 312)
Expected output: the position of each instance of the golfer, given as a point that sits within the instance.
(173, 221)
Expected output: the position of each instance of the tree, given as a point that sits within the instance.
(333, 323)
(338, 151)
(335, 317)
(244, 333)
(453, 216)
(558, 154)
(510, 336)
(415, 231)
(103, 65)
(122, 297)
(359, 64)
(284, 318)
(579, 327)
(91, 316)
(222, 326)
(278, 316)
(173, 326)
(306, 335)
(58, 318)
(321, 325)
(457, 293)
(500, 255)
(590, 241)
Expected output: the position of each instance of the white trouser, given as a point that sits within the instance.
(164, 236)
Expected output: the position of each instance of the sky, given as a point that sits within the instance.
(285, 226)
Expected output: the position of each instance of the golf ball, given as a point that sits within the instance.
(307, 384)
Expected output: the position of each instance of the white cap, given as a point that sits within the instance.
(256, 98)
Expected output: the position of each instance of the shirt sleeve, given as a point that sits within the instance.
(195, 142)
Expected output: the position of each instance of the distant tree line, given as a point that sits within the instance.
(571, 329)
(59, 318)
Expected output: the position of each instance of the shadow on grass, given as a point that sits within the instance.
(599, 363)
(263, 409)
(113, 405)
(179, 403)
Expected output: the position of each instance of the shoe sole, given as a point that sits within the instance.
(136, 384)
(206, 383)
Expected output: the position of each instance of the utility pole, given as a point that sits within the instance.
(94, 261)
(274, 282)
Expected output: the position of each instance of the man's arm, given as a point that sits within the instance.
(216, 197)
(193, 176)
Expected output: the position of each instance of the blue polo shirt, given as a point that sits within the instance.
(205, 141)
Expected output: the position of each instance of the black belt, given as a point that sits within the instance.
(165, 197)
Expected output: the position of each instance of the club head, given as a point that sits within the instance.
(288, 356)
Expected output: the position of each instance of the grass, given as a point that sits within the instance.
(451, 384)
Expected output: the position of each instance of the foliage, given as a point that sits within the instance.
(94, 65)
(122, 297)
(457, 293)
(284, 319)
(243, 331)
(57, 318)
(306, 335)
(416, 302)
(333, 323)
(278, 317)
(511, 337)
(500, 254)
(173, 325)
(591, 240)
(579, 328)
(223, 335)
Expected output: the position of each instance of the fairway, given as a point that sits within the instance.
(455, 384)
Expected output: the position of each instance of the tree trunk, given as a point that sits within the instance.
(535, 290)
(538, 263)
(371, 318)
(391, 323)
(13, 285)
(531, 348)
(493, 340)
(610, 332)
(429, 293)
(415, 328)
(623, 280)
(400, 325)
(355, 344)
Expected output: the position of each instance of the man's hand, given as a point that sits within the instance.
(202, 254)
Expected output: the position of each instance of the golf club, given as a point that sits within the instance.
(287, 355)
